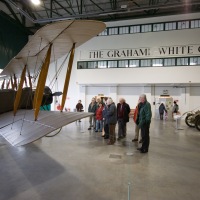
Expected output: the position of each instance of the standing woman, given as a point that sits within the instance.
(99, 117)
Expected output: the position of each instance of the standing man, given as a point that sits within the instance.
(123, 110)
(92, 108)
(144, 123)
(79, 107)
(136, 119)
(112, 120)
(175, 109)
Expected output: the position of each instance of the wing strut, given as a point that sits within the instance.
(12, 84)
(67, 78)
(29, 79)
(8, 84)
(19, 91)
(15, 82)
(41, 83)
(2, 85)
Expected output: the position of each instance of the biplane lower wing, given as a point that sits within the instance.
(22, 129)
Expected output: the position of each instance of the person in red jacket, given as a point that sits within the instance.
(99, 118)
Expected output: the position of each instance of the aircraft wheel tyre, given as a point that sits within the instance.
(189, 120)
(197, 123)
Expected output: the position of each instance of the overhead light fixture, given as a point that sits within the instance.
(123, 6)
(157, 65)
(36, 2)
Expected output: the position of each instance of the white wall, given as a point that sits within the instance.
(131, 82)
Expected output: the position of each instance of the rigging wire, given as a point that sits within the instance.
(37, 56)
(58, 72)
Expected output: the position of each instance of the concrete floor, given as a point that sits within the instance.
(78, 165)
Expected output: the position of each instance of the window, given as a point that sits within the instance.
(183, 24)
(124, 30)
(82, 65)
(92, 65)
(123, 63)
(146, 63)
(112, 64)
(113, 31)
(195, 24)
(195, 61)
(170, 26)
(134, 63)
(157, 62)
(182, 61)
(134, 29)
(169, 62)
(146, 28)
(105, 32)
(102, 64)
(158, 27)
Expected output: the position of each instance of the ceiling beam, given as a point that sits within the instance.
(51, 8)
(62, 7)
(11, 10)
(97, 5)
(105, 13)
(70, 5)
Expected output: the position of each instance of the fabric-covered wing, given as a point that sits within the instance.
(61, 34)
(22, 129)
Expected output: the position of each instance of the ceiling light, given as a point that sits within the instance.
(36, 2)
(123, 6)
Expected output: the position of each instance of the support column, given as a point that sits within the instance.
(114, 94)
(82, 97)
(184, 102)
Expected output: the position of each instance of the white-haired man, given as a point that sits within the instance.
(123, 110)
(92, 108)
(145, 115)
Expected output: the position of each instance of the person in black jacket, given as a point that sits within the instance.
(161, 110)
(79, 107)
(123, 110)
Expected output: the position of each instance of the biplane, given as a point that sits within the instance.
(21, 120)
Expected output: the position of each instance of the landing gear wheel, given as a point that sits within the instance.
(189, 120)
(197, 124)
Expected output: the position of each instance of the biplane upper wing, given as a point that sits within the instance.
(62, 35)
(22, 129)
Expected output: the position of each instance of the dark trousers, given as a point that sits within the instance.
(161, 116)
(106, 130)
(112, 136)
(121, 128)
(145, 136)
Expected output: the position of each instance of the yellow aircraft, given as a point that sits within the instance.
(21, 126)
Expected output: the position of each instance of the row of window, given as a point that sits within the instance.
(165, 26)
(157, 62)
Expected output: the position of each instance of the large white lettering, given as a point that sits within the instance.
(164, 51)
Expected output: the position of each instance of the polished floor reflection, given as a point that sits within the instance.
(77, 164)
